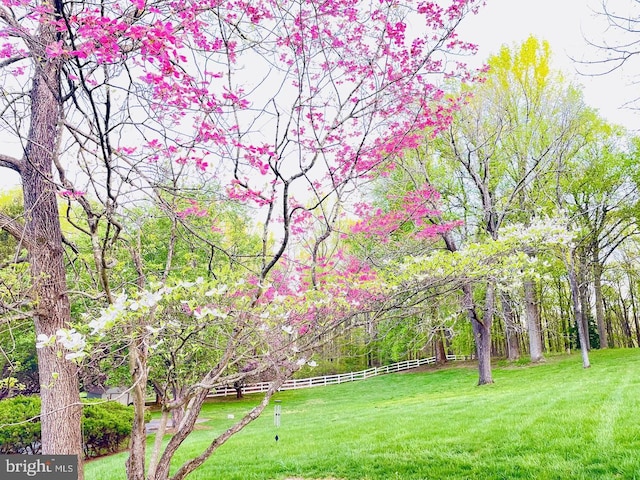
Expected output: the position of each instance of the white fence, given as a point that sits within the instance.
(294, 384)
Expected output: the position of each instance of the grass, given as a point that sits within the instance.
(550, 421)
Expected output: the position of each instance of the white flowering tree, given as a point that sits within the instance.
(520, 254)
(503, 262)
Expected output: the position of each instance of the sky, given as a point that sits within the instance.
(566, 25)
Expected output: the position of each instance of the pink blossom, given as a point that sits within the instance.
(416, 208)
(71, 194)
(193, 210)
(55, 49)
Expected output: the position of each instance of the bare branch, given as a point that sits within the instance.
(9, 61)
(15, 229)
(10, 162)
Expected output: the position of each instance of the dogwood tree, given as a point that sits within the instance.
(287, 106)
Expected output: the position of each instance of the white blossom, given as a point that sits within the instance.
(203, 312)
(70, 339)
(106, 319)
(119, 304)
(74, 355)
(44, 340)
(149, 299)
(220, 290)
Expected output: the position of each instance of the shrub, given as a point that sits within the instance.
(106, 426)
(20, 432)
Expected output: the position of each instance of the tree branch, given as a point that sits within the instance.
(15, 229)
(9, 61)
(21, 259)
(9, 162)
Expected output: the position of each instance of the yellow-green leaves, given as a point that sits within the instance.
(526, 66)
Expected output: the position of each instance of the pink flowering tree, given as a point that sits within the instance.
(286, 106)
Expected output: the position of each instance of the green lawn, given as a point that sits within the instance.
(551, 421)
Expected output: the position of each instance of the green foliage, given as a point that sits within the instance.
(463, 342)
(11, 205)
(14, 270)
(106, 426)
(213, 241)
(20, 431)
(402, 340)
(206, 242)
(345, 353)
(526, 66)
(594, 339)
(18, 360)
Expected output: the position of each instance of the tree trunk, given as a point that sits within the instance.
(373, 356)
(157, 444)
(609, 324)
(634, 308)
(624, 322)
(137, 448)
(181, 432)
(510, 330)
(578, 314)
(441, 354)
(237, 385)
(531, 311)
(59, 390)
(583, 291)
(482, 335)
(497, 346)
(481, 330)
(565, 308)
(177, 414)
(597, 287)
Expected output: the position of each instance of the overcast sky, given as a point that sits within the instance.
(565, 24)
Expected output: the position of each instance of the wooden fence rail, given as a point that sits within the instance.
(294, 384)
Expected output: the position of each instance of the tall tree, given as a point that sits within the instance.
(41, 233)
(601, 196)
(505, 145)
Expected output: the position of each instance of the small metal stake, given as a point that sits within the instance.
(277, 410)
